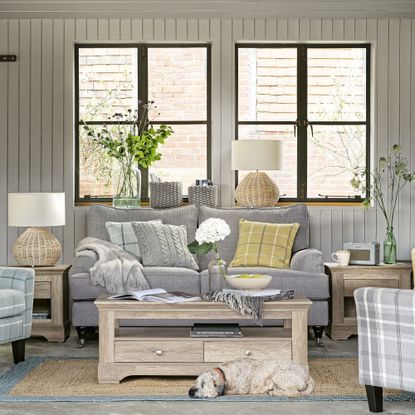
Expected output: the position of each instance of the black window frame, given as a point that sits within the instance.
(142, 75)
(301, 124)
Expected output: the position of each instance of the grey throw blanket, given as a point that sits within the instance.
(116, 270)
(244, 304)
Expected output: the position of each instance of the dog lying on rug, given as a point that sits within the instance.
(248, 376)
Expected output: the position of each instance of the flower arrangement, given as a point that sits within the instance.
(209, 233)
(386, 182)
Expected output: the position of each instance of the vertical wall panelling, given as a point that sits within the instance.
(181, 29)
(24, 106)
(137, 29)
(103, 29)
(249, 29)
(338, 29)
(315, 29)
(360, 29)
(13, 125)
(92, 29)
(68, 139)
(47, 105)
(80, 29)
(170, 29)
(271, 29)
(325, 232)
(282, 29)
(114, 27)
(293, 29)
(314, 226)
(148, 33)
(359, 225)
(4, 69)
(304, 29)
(125, 29)
(349, 29)
(35, 105)
(347, 225)
(57, 113)
(259, 29)
(159, 25)
(327, 29)
(192, 30)
(336, 230)
(204, 29)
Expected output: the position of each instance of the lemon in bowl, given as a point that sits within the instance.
(248, 281)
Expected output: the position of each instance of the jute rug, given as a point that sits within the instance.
(55, 379)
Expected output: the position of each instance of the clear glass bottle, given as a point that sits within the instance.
(389, 247)
(218, 269)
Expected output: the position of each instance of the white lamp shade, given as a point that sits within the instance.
(256, 155)
(36, 209)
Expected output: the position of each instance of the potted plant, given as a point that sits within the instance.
(132, 142)
(386, 182)
(208, 234)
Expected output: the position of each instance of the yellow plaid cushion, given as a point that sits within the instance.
(264, 244)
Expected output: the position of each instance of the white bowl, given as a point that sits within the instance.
(248, 283)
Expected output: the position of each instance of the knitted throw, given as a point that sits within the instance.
(244, 304)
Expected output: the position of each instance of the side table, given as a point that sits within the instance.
(343, 282)
(51, 299)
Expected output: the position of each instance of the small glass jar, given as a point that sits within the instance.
(218, 269)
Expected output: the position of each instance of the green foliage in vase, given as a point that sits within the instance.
(131, 137)
(386, 182)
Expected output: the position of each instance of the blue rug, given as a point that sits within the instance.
(12, 378)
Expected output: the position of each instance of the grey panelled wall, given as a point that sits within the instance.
(36, 107)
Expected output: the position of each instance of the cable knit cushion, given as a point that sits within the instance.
(163, 245)
(123, 235)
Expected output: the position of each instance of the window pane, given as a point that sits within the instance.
(184, 156)
(177, 82)
(286, 178)
(107, 82)
(95, 168)
(337, 84)
(267, 84)
(333, 154)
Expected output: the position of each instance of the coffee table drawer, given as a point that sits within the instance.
(222, 351)
(158, 351)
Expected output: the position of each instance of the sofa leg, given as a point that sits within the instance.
(81, 335)
(318, 334)
(374, 398)
(18, 348)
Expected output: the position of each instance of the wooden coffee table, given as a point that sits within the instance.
(169, 351)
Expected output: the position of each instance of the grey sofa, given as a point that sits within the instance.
(305, 276)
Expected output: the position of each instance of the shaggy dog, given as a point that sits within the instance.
(248, 376)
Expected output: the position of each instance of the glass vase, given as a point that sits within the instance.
(217, 271)
(126, 184)
(389, 247)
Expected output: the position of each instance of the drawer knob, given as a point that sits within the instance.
(159, 352)
(248, 353)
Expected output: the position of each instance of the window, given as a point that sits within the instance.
(315, 99)
(114, 78)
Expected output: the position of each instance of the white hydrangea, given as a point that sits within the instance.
(212, 230)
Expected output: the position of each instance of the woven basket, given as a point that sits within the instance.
(203, 195)
(165, 194)
(256, 190)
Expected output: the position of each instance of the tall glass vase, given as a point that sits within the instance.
(389, 247)
(217, 271)
(126, 184)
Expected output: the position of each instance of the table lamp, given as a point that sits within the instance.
(256, 189)
(36, 246)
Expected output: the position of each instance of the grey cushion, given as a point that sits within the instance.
(169, 278)
(289, 214)
(308, 260)
(163, 245)
(123, 235)
(98, 215)
(312, 285)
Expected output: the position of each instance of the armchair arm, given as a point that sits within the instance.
(386, 327)
(22, 279)
(308, 260)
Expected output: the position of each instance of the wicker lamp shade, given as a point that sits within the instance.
(37, 247)
(257, 189)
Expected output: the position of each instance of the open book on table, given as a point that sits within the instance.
(255, 293)
(157, 295)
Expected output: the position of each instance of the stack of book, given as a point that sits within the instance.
(215, 330)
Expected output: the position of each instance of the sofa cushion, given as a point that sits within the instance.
(264, 244)
(163, 245)
(313, 286)
(98, 215)
(12, 303)
(169, 278)
(232, 216)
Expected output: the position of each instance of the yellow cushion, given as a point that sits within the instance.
(264, 244)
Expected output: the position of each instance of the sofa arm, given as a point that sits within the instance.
(83, 262)
(21, 279)
(308, 260)
(386, 320)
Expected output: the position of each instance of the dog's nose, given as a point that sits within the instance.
(192, 392)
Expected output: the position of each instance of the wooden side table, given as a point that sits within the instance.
(51, 298)
(343, 282)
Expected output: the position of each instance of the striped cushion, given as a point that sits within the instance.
(264, 244)
(123, 235)
(12, 303)
(164, 245)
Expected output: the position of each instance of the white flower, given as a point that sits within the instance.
(212, 230)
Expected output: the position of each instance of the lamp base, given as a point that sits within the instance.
(257, 190)
(37, 247)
